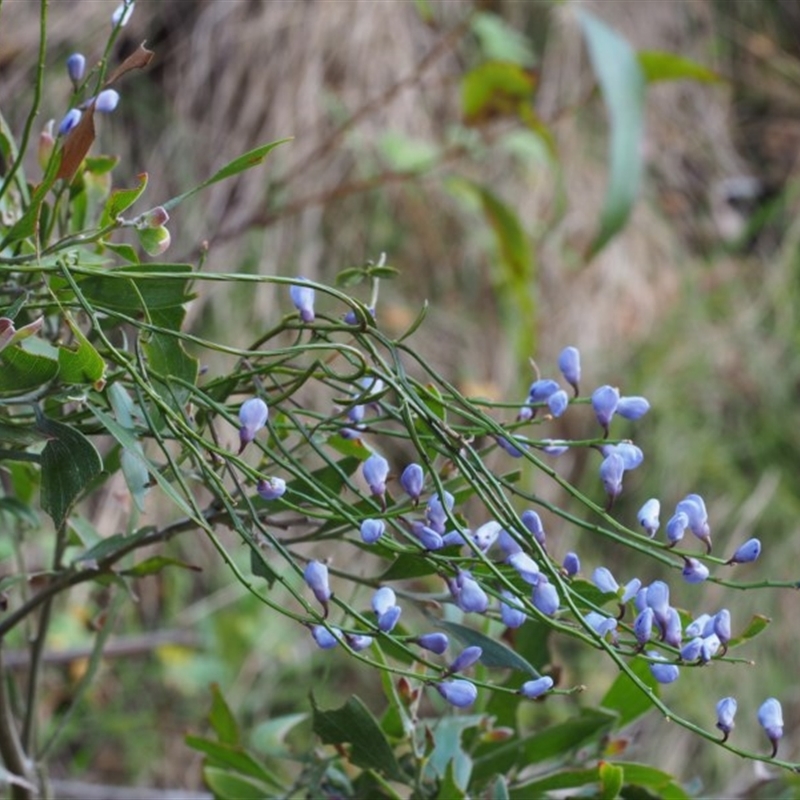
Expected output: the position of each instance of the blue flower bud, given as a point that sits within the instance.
(692, 649)
(554, 447)
(388, 619)
(726, 711)
(508, 544)
(695, 509)
(630, 591)
(511, 610)
(76, 64)
(532, 521)
(709, 647)
(527, 568)
(71, 119)
(722, 626)
(663, 672)
(271, 488)
(359, 641)
(648, 516)
(106, 101)
(611, 472)
(372, 530)
(640, 600)
(383, 599)
(122, 14)
(702, 626)
(253, 415)
(412, 480)
(465, 659)
(694, 571)
(571, 564)
(514, 450)
(485, 536)
(325, 638)
(643, 626)
(469, 595)
(632, 456)
(770, 717)
(748, 552)
(541, 390)
(452, 539)
(351, 318)
(569, 362)
(536, 688)
(658, 599)
(435, 511)
(605, 581)
(375, 471)
(545, 597)
(303, 299)
(458, 692)
(676, 527)
(600, 623)
(316, 577)
(632, 407)
(673, 629)
(435, 642)
(428, 537)
(557, 403)
(525, 414)
(604, 403)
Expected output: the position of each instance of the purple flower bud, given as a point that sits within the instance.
(512, 449)
(658, 599)
(532, 521)
(600, 623)
(643, 626)
(709, 647)
(412, 480)
(428, 537)
(557, 403)
(372, 530)
(632, 456)
(359, 641)
(452, 539)
(605, 581)
(545, 597)
(569, 362)
(676, 527)
(435, 511)
(695, 509)
(662, 672)
(604, 403)
(640, 600)
(106, 101)
(536, 688)
(611, 472)
(356, 414)
(465, 659)
(694, 571)
(375, 471)
(324, 638)
(458, 692)
(632, 407)
(527, 568)
(71, 119)
(383, 599)
(673, 629)
(435, 642)
(316, 577)
(470, 596)
(271, 488)
(508, 544)
(726, 711)
(541, 390)
(572, 564)
(303, 299)
(351, 318)
(511, 610)
(702, 626)
(648, 516)
(388, 619)
(76, 64)
(722, 626)
(554, 447)
(485, 536)
(122, 14)
(770, 717)
(253, 415)
(748, 552)
(525, 414)
(692, 650)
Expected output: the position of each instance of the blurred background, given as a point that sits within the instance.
(488, 216)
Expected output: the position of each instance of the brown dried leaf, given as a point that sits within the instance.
(77, 145)
(139, 59)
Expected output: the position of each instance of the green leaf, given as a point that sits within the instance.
(136, 471)
(651, 778)
(231, 757)
(111, 545)
(499, 790)
(244, 162)
(383, 272)
(623, 85)
(69, 463)
(757, 624)
(495, 653)
(408, 565)
(496, 89)
(329, 477)
(269, 736)
(406, 154)
(167, 358)
(229, 786)
(566, 779)
(498, 40)
(353, 724)
(447, 761)
(100, 165)
(611, 778)
(350, 277)
(222, 719)
(123, 250)
(349, 447)
(260, 567)
(155, 564)
(22, 371)
(660, 66)
(80, 363)
(19, 510)
(122, 199)
(450, 786)
(625, 698)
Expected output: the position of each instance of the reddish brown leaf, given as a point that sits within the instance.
(77, 145)
(139, 59)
